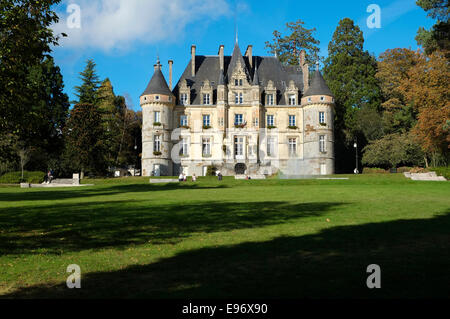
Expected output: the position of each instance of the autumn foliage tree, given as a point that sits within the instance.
(428, 91)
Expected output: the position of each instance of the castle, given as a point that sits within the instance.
(242, 114)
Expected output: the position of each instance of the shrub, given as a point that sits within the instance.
(404, 169)
(157, 124)
(211, 170)
(441, 171)
(157, 153)
(374, 170)
(28, 177)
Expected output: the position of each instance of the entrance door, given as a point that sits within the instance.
(240, 169)
(323, 169)
(157, 169)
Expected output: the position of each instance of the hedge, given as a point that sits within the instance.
(28, 177)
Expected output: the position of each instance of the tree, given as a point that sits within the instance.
(87, 91)
(427, 90)
(391, 150)
(25, 39)
(437, 38)
(350, 74)
(84, 140)
(393, 70)
(287, 48)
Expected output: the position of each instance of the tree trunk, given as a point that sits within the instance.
(82, 174)
(426, 161)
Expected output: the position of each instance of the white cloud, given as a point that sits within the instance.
(114, 24)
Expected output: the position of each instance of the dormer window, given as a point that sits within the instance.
(270, 99)
(238, 82)
(184, 99)
(292, 100)
(239, 98)
(207, 99)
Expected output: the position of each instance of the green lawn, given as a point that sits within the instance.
(272, 238)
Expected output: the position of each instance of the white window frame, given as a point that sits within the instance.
(206, 120)
(184, 99)
(271, 146)
(292, 120)
(184, 146)
(238, 119)
(292, 99)
(157, 143)
(292, 145)
(206, 146)
(322, 144)
(270, 120)
(239, 146)
(322, 118)
(241, 98)
(206, 99)
(255, 122)
(270, 99)
(157, 117)
(183, 120)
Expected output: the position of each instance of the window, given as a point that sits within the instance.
(270, 146)
(183, 120)
(322, 98)
(236, 82)
(270, 99)
(238, 119)
(206, 146)
(322, 117)
(206, 99)
(238, 146)
(322, 143)
(184, 151)
(309, 99)
(255, 122)
(292, 121)
(157, 117)
(206, 120)
(221, 121)
(240, 82)
(157, 143)
(270, 120)
(239, 98)
(157, 97)
(292, 99)
(292, 146)
(184, 99)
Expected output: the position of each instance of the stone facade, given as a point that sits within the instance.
(241, 114)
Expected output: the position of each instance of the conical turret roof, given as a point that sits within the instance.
(157, 84)
(318, 86)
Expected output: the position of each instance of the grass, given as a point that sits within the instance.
(271, 238)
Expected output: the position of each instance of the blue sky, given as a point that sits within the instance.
(124, 37)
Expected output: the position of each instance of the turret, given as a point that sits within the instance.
(318, 108)
(157, 104)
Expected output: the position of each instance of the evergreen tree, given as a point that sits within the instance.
(87, 92)
(84, 140)
(350, 74)
(437, 38)
(288, 47)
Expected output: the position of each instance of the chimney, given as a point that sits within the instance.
(170, 73)
(193, 48)
(249, 54)
(305, 70)
(221, 61)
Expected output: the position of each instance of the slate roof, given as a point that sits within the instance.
(157, 84)
(318, 86)
(268, 68)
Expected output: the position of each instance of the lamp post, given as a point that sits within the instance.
(356, 155)
(135, 161)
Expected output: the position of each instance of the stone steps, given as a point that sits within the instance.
(431, 176)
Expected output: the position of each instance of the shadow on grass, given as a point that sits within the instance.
(102, 190)
(413, 255)
(75, 227)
